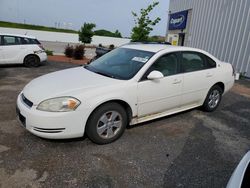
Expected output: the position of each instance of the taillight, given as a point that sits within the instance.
(41, 46)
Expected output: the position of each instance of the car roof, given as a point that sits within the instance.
(158, 47)
(17, 35)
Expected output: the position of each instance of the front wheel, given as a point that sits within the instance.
(213, 99)
(107, 123)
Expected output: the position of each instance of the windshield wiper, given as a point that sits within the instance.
(86, 66)
(91, 68)
(104, 74)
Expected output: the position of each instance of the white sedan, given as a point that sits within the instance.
(129, 85)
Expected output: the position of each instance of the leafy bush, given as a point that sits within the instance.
(243, 75)
(156, 39)
(69, 51)
(49, 52)
(79, 51)
(111, 46)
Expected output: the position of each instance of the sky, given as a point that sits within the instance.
(106, 14)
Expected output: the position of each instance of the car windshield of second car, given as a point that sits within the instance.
(121, 63)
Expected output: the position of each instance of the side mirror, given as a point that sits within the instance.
(155, 75)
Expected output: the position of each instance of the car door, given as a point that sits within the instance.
(197, 78)
(164, 94)
(11, 49)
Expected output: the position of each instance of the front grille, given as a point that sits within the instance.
(22, 119)
(54, 130)
(26, 101)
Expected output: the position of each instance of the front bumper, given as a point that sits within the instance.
(52, 125)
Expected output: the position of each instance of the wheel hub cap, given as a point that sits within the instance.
(109, 124)
(214, 98)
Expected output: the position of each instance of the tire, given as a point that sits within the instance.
(107, 123)
(213, 99)
(31, 61)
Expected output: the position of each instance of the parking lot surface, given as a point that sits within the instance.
(190, 149)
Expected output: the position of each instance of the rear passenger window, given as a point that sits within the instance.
(29, 41)
(25, 41)
(18, 40)
(192, 61)
(34, 41)
(210, 63)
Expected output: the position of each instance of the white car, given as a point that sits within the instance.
(241, 175)
(21, 49)
(129, 85)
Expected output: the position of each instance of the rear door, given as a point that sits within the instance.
(198, 77)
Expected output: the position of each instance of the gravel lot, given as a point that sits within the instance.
(191, 149)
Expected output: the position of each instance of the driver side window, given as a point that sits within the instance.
(167, 64)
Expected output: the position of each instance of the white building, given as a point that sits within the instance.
(221, 27)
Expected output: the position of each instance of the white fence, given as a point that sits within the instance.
(106, 41)
(64, 37)
(43, 35)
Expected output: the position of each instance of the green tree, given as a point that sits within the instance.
(143, 24)
(156, 39)
(103, 32)
(86, 33)
(118, 34)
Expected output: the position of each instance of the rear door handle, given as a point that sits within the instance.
(176, 81)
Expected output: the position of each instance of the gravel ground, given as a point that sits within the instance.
(190, 149)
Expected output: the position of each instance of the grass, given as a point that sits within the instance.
(34, 27)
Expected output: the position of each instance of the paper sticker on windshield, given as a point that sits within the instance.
(140, 59)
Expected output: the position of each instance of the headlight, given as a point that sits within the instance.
(60, 104)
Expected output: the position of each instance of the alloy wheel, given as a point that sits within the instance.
(109, 124)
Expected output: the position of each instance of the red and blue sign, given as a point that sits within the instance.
(178, 20)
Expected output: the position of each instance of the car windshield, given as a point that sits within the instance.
(121, 63)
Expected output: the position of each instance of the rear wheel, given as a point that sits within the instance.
(107, 123)
(213, 99)
(31, 61)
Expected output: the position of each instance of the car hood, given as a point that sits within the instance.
(65, 83)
